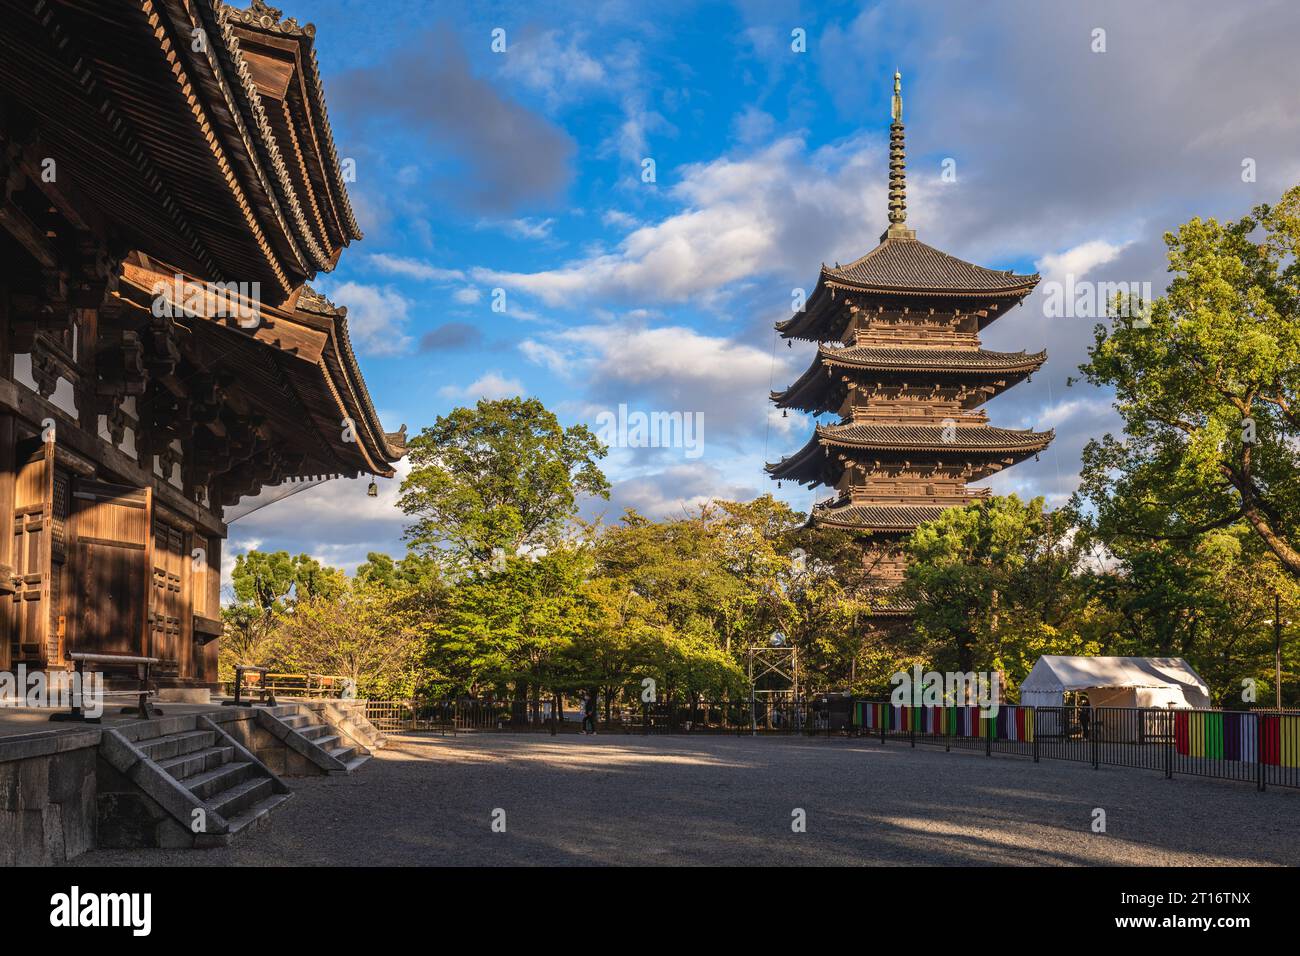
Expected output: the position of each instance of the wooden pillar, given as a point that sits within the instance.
(8, 471)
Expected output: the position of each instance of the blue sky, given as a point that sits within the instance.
(522, 171)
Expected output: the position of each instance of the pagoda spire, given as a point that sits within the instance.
(897, 169)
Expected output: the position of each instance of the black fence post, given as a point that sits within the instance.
(1168, 719)
(1259, 752)
(884, 719)
(988, 736)
(1093, 726)
(911, 725)
(947, 731)
(1031, 721)
(645, 718)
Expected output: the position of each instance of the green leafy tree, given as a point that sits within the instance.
(360, 631)
(1208, 387)
(513, 626)
(994, 586)
(499, 478)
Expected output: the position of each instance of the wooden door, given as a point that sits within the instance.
(170, 631)
(110, 566)
(29, 622)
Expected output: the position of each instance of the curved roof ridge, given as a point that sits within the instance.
(903, 264)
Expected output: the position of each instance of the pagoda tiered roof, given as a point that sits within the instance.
(899, 360)
(985, 447)
(819, 390)
(904, 270)
(906, 438)
(900, 265)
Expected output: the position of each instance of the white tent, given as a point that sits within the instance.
(1115, 682)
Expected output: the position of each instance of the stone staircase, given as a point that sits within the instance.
(208, 788)
(324, 736)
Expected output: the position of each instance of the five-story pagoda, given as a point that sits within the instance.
(899, 360)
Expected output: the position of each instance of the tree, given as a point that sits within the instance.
(271, 580)
(513, 625)
(359, 631)
(994, 586)
(1209, 390)
(500, 478)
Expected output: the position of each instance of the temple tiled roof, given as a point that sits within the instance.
(908, 265)
(932, 359)
(877, 517)
(903, 438)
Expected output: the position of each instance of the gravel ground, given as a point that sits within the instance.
(729, 800)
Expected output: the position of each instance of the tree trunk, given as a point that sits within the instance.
(519, 706)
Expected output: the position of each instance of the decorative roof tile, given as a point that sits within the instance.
(876, 517)
(909, 265)
(932, 359)
(931, 437)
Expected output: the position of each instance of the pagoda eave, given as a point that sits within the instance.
(929, 438)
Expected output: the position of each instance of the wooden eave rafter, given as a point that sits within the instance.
(309, 349)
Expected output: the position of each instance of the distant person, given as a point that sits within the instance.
(589, 714)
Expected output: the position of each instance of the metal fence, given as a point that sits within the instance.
(702, 717)
(1260, 747)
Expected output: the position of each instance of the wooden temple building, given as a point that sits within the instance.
(170, 184)
(899, 361)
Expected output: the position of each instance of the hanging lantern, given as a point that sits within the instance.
(373, 490)
(784, 413)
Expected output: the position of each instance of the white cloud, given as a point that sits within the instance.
(618, 219)
(532, 228)
(1054, 416)
(377, 317)
(770, 212)
(468, 295)
(670, 492)
(668, 368)
(558, 70)
(412, 268)
(491, 386)
(1079, 260)
(335, 521)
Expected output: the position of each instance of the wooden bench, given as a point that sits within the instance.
(140, 666)
(239, 701)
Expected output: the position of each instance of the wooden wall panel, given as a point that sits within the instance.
(30, 605)
(8, 476)
(109, 568)
(169, 611)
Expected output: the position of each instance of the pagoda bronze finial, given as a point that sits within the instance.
(897, 169)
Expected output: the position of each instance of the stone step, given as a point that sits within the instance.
(314, 731)
(187, 765)
(217, 781)
(174, 745)
(297, 721)
(341, 754)
(357, 762)
(328, 742)
(241, 796)
(257, 814)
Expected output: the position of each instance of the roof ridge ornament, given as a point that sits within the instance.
(897, 169)
(262, 15)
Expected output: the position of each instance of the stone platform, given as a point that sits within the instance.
(67, 787)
